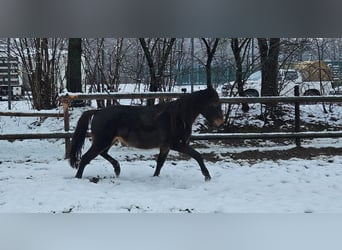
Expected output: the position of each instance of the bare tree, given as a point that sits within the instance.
(157, 52)
(113, 67)
(74, 83)
(333, 48)
(291, 50)
(74, 72)
(93, 56)
(177, 67)
(321, 44)
(211, 46)
(240, 46)
(40, 58)
(269, 53)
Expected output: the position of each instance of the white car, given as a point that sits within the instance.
(287, 80)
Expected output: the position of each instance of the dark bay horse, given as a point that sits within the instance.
(166, 126)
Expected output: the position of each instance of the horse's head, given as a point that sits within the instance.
(212, 109)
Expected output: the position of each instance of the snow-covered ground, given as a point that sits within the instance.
(35, 177)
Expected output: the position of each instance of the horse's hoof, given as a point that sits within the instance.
(117, 170)
(207, 178)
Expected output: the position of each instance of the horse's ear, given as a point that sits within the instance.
(211, 91)
(210, 88)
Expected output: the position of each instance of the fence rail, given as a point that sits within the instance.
(230, 100)
(31, 114)
(105, 96)
(12, 137)
(282, 99)
(204, 136)
(65, 135)
(66, 98)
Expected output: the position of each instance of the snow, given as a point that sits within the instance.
(35, 177)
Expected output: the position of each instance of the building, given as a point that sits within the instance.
(9, 67)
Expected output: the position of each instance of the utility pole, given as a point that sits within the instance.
(9, 73)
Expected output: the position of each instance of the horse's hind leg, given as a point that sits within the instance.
(114, 162)
(164, 151)
(86, 158)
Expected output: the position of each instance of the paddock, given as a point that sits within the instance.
(36, 177)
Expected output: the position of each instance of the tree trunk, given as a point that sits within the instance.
(269, 53)
(211, 49)
(237, 47)
(42, 85)
(74, 83)
(46, 81)
(115, 61)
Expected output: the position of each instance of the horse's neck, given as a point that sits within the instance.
(196, 108)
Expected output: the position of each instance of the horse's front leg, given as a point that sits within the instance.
(187, 149)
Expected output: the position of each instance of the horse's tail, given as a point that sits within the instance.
(79, 137)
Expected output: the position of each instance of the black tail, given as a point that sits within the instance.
(79, 136)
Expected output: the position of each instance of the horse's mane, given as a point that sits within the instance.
(184, 111)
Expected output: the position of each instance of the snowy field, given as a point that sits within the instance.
(35, 177)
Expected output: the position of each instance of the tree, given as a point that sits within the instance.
(178, 65)
(157, 52)
(211, 46)
(134, 66)
(94, 66)
(321, 44)
(239, 45)
(40, 58)
(269, 53)
(74, 80)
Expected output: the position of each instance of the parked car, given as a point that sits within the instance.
(287, 80)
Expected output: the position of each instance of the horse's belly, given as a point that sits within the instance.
(141, 140)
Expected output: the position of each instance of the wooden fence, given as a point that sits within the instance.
(296, 134)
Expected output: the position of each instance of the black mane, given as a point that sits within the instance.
(184, 111)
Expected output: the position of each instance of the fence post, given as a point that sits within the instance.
(66, 126)
(297, 115)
